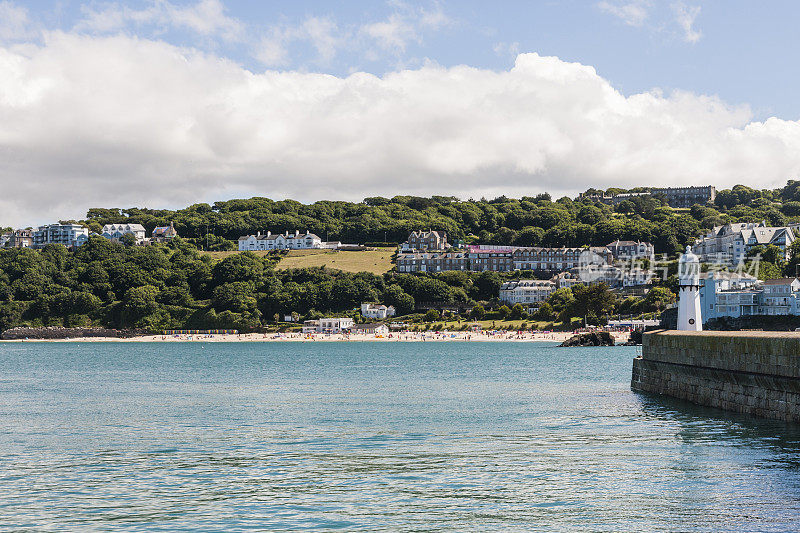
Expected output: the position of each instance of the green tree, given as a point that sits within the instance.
(432, 315)
(518, 312)
(477, 312)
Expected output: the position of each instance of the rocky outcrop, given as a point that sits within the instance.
(65, 333)
(635, 338)
(595, 338)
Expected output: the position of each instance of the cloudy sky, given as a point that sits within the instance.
(163, 103)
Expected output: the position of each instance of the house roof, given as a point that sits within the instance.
(111, 228)
(781, 281)
(763, 235)
(431, 255)
(420, 234)
(532, 283)
(160, 230)
(366, 326)
(723, 274)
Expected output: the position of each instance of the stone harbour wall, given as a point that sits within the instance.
(751, 372)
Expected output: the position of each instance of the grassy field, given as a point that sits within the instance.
(375, 261)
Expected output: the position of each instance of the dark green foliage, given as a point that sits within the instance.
(518, 312)
(172, 285)
(432, 315)
(524, 222)
(477, 312)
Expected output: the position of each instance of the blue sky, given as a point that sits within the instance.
(742, 51)
(317, 100)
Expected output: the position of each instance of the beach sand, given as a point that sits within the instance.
(429, 336)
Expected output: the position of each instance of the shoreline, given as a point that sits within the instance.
(460, 336)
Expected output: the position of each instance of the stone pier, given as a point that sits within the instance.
(752, 372)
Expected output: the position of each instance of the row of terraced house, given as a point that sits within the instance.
(418, 254)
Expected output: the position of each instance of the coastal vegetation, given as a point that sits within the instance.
(177, 285)
(527, 221)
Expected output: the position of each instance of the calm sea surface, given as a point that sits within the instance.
(373, 436)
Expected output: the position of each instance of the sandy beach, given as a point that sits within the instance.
(430, 336)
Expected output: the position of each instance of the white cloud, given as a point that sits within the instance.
(206, 18)
(14, 22)
(392, 34)
(118, 121)
(686, 16)
(632, 13)
(321, 32)
(506, 49)
(404, 25)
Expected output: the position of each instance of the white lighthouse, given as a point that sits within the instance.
(689, 314)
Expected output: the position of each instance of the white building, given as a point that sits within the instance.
(369, 329)
(714, 283)
(285, 241)
(613, 276)
(780, 297)
(632, 250)
(689, 314)
(528, 292)
(377, 311)
(115, 232)
(4, 239)
(749, 297)
(729, 244)
(327, 325)
(70, 235)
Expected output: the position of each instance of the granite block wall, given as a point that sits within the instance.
(756, 373)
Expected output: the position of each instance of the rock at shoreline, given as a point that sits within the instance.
(595, 338)
(635, 338)
(64, 333)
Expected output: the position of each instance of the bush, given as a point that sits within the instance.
(432, 315)
(477, 313)
(504, 312)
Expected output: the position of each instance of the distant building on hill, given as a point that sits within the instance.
(425, 241)
(558, 259)
(21, 238)
(164, 233)
(70, 235)
(493, 258)
(4, 238)
(631, 250)
(115, 232)
(688, 196)
(431, 261)
(730, 243)
(278, 241)
(675, 196)
(377, 311)
(527, 292)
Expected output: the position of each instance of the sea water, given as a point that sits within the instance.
(373, 436)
